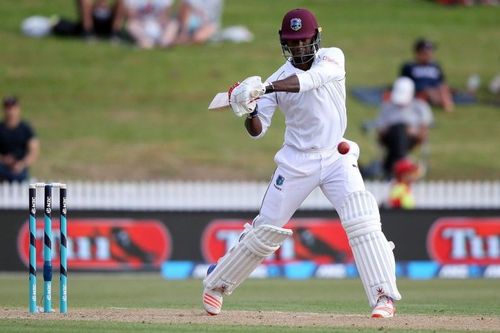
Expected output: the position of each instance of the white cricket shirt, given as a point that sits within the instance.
(315, 117)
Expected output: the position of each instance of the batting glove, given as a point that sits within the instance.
(243, 96)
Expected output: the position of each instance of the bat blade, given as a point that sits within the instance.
(219, 102)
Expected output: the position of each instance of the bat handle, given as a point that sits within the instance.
(254, 93)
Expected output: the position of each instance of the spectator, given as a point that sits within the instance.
(428, 76)
(402, 124)
(199, 20)
(406, 173)
(101, 18)
(149, 23)
(19, 146)
(96, 18)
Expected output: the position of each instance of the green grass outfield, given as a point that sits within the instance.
(99, 292)
(116, 112)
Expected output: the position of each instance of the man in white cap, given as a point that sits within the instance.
(403, 123)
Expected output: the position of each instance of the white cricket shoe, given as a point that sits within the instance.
(384, 308)
(212, 301)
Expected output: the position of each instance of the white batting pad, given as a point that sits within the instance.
(244, 257)
(357, 209)
(372, 252)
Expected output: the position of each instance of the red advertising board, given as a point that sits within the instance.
(104, 244)
(316, 239)
(465, 240)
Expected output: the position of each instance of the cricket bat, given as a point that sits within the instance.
(220, 102)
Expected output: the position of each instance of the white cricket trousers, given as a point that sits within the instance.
(299, 173)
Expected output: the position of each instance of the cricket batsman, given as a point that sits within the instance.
(309, 88)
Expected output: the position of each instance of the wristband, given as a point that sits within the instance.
(269, 88)
(253, 114)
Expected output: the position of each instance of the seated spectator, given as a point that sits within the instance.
(99, 17)
(428, 76)
(96, 18)
(149, 23)
(402, 123)
(19, 146)
(199, 20)
(405, 174)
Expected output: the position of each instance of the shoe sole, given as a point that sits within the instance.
(381, 316)
(378, 315)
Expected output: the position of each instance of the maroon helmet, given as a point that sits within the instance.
(300, 24)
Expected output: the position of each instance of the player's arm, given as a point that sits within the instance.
(330, 66)
(406, 71)
(253, 123)
(33, 152)
(291, 84)
(243, 98)
(31, 155)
